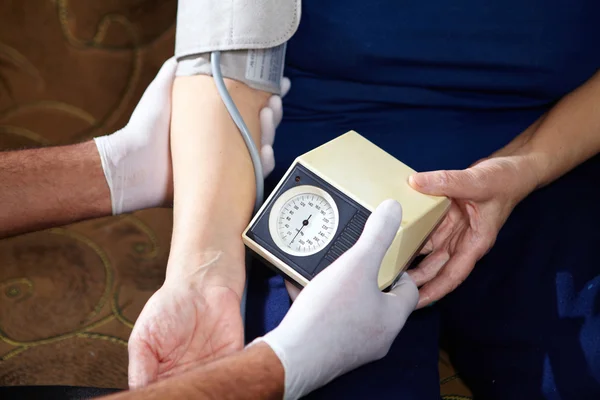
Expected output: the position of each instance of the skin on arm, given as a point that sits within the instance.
(564, 138)
(213, 179)
(40, 188)
(484, 195)
(255, 373)
(195, 316)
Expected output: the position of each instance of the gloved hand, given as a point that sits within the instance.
(341, 320)
(137, 160)
(270, 118)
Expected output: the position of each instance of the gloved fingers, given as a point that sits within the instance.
(267, 126)
(157, 97)
(402, 300)
(276, 105)
(292, 290)
(286, 85)
(143, 364)
(164, 79)
(377, 236)
(272, 114)
(267, 157)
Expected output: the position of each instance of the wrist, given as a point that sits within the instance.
(529, 166)
(534, 164)
(136, 170)
(278, 360)
(98, 192)
(218, 266)
(304, 368)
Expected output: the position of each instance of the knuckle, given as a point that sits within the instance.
(484, 241)
(470, 176)
(474, 178)
(456, 279)
(444, 178)
(456, 282)
(455, 285)
(474, 174)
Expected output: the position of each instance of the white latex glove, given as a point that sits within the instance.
(137, 159)
(341, 320)
(270, 118)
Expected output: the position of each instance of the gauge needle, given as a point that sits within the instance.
(304, 223)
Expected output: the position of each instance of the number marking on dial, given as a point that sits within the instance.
(303, 220)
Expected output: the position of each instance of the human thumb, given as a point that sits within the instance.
(456, 183)
(143, 365)
(165, 76)
(156, 99)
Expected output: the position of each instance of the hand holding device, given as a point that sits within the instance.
(342, 320)
(320, 206)
(483, 196)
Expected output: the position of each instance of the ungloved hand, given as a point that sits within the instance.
(183, 325)
(483, 196)
(137, 160)
(341, 320)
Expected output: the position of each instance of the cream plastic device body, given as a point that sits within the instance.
(341, 181)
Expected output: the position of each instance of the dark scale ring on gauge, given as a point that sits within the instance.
(351, 218)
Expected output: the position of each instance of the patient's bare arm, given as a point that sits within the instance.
(213, 175)
(40, 188)
(195, 316)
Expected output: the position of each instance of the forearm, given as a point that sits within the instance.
(214, 188)
(254, 373)
(563, 138)
(51, 186)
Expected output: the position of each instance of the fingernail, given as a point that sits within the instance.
(425, 302)
(419, 179)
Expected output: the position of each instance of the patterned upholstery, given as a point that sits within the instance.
(71, 70)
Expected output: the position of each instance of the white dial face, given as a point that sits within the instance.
(303, 220)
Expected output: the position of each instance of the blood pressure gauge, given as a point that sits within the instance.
(303, 220)
(319, 209)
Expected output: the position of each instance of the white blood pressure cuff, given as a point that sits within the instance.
(250, 34)
(258, 68)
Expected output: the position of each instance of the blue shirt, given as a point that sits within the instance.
(438, 83)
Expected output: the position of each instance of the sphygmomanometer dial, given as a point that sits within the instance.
(303, 220)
